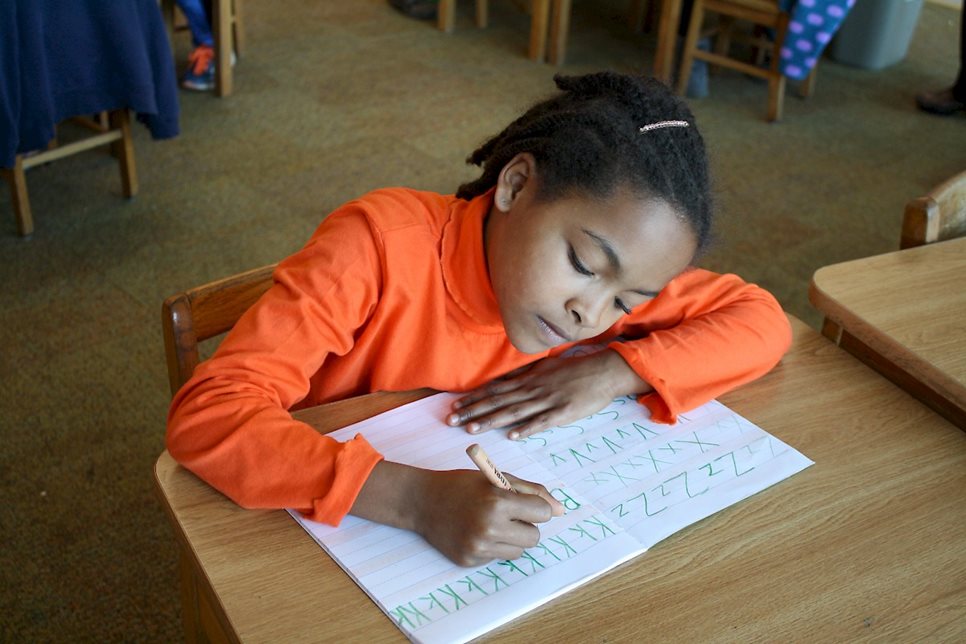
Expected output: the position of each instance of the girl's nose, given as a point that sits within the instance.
(588, 311)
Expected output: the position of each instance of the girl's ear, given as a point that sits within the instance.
(514, 176)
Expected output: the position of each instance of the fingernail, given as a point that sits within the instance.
(453, 419)
(473, 428)
(513, 436)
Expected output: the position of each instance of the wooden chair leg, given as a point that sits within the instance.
(638, 14)
(222, 33)
(446, 15)
(482, 13)
(539, 19)
(776, 80)
(690, 43)
(167, 13)
(808, 85)
(559, 30)
(17, 180)
(237, 27)
(776, 97)
(722, 42)
(121, 120)
(667, 29)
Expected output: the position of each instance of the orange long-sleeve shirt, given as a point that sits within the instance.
(392, 293)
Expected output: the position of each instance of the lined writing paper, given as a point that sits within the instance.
(625, 481)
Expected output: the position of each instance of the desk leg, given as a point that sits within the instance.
(666, 37)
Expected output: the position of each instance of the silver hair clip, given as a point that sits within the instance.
(662, 124)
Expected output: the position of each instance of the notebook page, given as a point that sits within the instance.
(432, 599)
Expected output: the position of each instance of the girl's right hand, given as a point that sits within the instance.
(459, 512)
(472, 522)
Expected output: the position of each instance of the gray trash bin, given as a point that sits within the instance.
(876, 33)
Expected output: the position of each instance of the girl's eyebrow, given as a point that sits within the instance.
(612, 258)
(605, 246)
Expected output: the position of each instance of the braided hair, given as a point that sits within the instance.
(588, 140)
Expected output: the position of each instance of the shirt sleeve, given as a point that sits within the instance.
(230, 423)
(702, 336)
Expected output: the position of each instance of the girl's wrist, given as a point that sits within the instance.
(391, 495)
(624, 381)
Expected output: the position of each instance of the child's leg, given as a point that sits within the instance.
(198, 22)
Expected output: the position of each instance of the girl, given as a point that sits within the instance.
(589, 211)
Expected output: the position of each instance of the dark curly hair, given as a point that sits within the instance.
(587, 140)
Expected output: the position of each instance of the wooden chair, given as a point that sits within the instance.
(765, 15)
(229, 35)
(110, 128)
(539, 17)
(939, 215)
(205, 312)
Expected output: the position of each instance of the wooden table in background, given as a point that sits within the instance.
(870, 542)
(904, 313)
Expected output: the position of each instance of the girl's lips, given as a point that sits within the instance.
(555, 335)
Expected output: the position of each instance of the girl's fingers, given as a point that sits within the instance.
(528, 487)
(533, 426)
(510, 413)
(491, 406)
(494, 388)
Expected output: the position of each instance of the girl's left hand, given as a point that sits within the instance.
(553, 391)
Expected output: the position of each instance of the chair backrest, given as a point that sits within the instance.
(939, 215)
(204, 312)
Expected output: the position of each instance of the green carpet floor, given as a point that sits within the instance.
(333, 99)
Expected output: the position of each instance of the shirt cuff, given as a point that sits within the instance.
(352, 468)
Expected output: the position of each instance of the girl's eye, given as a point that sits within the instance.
(577, 264)
(620, 304)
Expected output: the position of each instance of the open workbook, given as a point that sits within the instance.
(625, 481)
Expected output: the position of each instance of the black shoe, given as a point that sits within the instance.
(942, 102)
(418, 9)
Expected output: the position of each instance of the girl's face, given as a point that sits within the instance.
(568, 269)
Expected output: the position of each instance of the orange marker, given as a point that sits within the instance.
(490, 471)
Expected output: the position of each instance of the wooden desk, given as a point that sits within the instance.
(870, 542)
(904, 313)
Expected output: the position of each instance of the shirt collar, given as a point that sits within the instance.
(464, 263)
